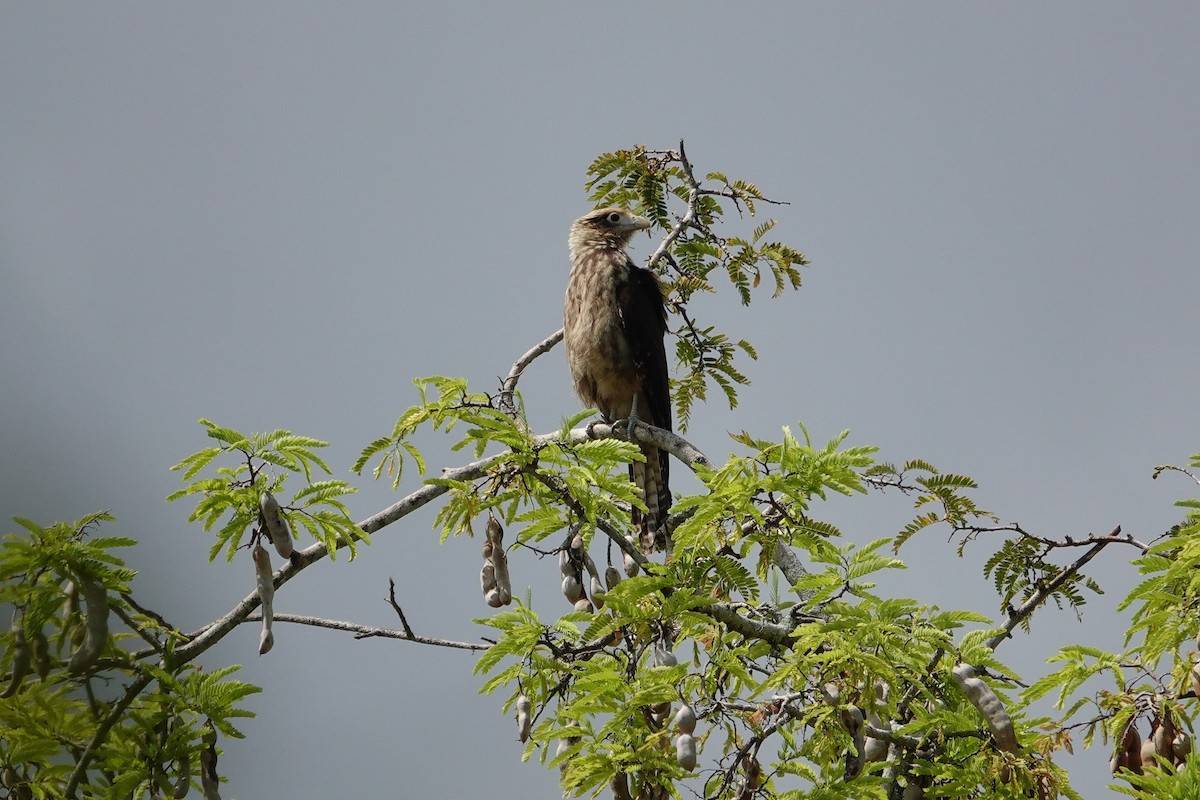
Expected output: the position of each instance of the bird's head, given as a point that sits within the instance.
(611, 226)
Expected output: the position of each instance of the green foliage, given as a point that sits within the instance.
(231, 493)
(1164, 784)
(140, 716)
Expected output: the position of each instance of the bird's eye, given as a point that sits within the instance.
(613, 218)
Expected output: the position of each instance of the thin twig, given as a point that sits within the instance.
(399, 611)
(370, 631)
(509, 386)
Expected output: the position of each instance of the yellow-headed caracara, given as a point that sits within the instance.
(614, 321)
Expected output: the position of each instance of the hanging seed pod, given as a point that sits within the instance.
(660, 712)
(1194, 676)
(572, 589)
(275, 524)
(1164, 735)
(487, 577)
(620, 787)
(1181, 747)
(631, 566)
(989, 706)
(584, 605)
(685, 720)
(183, 778)
(831, 693)
(492, 598)
(685, 751)
(95, 600)
(852, 721)
(590, 566)
(20, 658)
(663, 656)
(40, 647)
(1147, 754)
(1128, 754)
(495, 536)
(611, 577)
(565, 567)
(264, 581)
(524, 720)
(72, 619)
(598, 593)
(913, 791)
(875, 749)
(561, 749)
(210, 781)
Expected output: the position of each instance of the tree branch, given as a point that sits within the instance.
(509, 386)
(1016, 616)
(370, 631)
(114, 714)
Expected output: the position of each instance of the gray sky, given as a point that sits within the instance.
(276, 216)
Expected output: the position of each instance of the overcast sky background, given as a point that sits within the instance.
(276, 216)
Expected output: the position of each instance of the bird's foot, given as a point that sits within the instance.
(591, 428)
(624, 428)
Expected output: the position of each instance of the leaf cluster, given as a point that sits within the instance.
(257, 463)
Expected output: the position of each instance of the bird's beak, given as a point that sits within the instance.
(639, 223)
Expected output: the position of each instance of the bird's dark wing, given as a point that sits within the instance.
(644, 320)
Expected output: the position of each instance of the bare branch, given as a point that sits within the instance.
(371, 631)
(509, 386)
(1114, 537)
(399, 612)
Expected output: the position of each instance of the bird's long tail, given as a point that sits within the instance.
(651, 476)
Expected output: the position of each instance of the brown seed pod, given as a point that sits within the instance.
(40, 647)
(685, 751)
(487, 577)
(685, 720)
(210, 781)
(989, 706)
(264, 582)
(584, 605)
(852, 721)
(561, 749)
(663, 656)
(275, 524)
(597, 592)
(611, 577)
(1181, 747)
(72, 619)
(495, 537)
(183, 778)
(1147, 754)
(1128, 754)
(20, 658)
(524, 720)
(95, 600)
(492, 598)
(631, 566)
(572, 589)
(1164, 735)
(620, 787)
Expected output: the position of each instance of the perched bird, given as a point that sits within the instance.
(614, 321)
